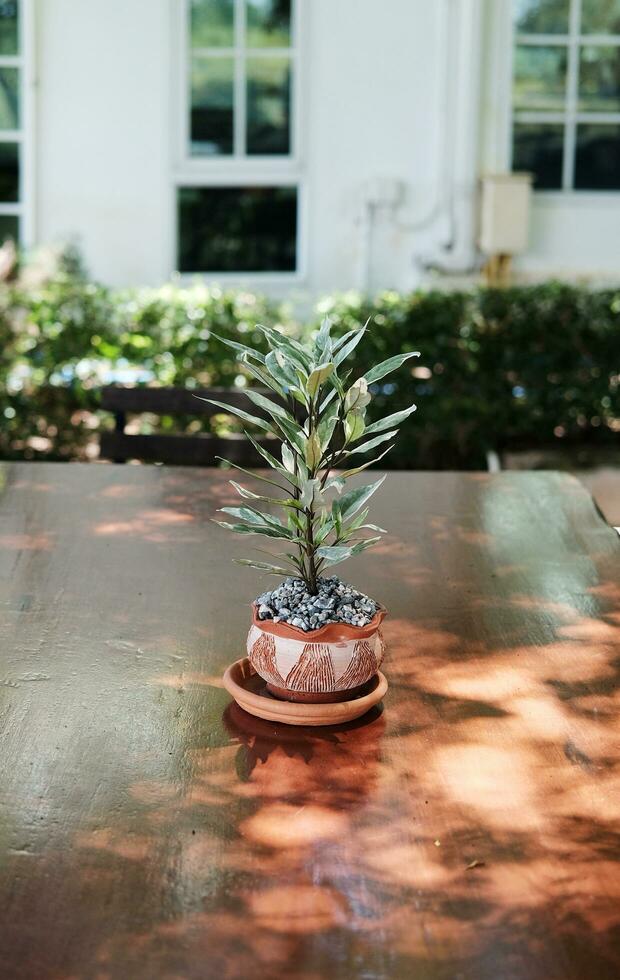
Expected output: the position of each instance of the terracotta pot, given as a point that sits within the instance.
(329, 664)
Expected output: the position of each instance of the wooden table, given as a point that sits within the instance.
(150, 829)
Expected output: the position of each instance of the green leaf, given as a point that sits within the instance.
(362, 545)
(262, 566)
(322, 343)
(255, 476)
(334, 553)
(328, 398)
(284, 373)
(358, 396)
(295, 435)
(313, 451)
(302, 471)
(249, 515)
(354, 425)
(346, 337)
(273, 462)
(295, 521)
(386, 367)
(358, 524)
(245, 514)
(337, 516)
(293, 376)
(276, 411)
(357, 521)
(288, 458)
(298, 395)
(352, 501)
(294, 559)
(336, 483)
(318, 377)
(326, 427)
(344, 380)
(268, 532)
(366, 446)
(266, 380)
(343, 351)
(325, 529)
(358, 469)
(244, 492)
(307, 492)
(390, 420)
(279, 341)
(232, 410)
(241, 348)
(250, 495)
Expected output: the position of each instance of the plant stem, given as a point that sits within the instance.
(300, 541)
(310, 551)
(311, 579)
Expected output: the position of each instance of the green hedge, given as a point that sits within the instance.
(63, 338)
(505, 368)
(500, 369)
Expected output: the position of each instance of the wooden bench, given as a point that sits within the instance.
(177, 449)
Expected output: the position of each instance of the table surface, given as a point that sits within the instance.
(150, 829)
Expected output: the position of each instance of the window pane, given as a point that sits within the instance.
(539, 148)
(268, 23)
(9, 98)
(237, 229)
(268, 105)
(212, 23)
(9, 173)
(600, 17)
(212, 106)
(9, 227)
(540, 77)
(597, 163)
(599, 79)
(541, 16)
(9, 33)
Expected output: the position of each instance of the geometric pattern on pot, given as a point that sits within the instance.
(314, 666)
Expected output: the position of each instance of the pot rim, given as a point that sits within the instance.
(330, 633)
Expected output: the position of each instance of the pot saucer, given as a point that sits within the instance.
(250, 692)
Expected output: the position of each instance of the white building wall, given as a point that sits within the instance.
(103, 129)
(374, 108)
(106, 135)
(372, 82)
(573, 235)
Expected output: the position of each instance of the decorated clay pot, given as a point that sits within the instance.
(329, 664)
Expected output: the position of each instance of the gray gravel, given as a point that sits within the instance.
(336, 602)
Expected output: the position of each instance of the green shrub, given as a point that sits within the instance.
(500, 368)
(64, 337)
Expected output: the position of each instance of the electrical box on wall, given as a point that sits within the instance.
(505, 213)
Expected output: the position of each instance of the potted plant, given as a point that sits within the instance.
(313, 638)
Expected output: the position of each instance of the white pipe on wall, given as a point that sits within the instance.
(463, 54)
(453, 206)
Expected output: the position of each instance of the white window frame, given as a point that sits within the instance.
(24, 209)
(239, 169)
(497, 149)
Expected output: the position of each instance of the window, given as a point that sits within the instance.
(237, 229)
(238, 188)
(12, 151)
(240, 77)
(566, 93)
